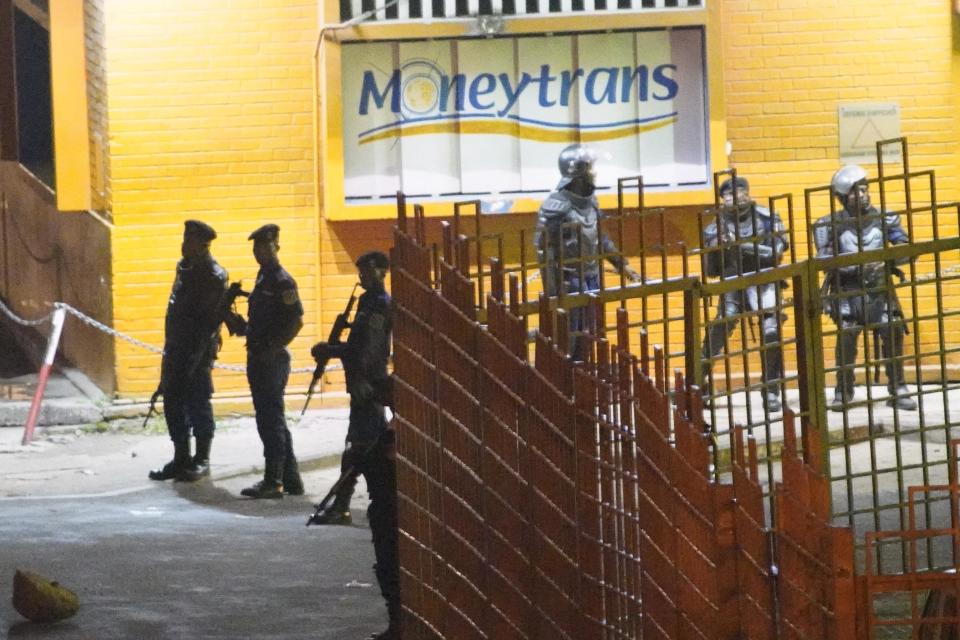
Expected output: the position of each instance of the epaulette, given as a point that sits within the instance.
(220, 273)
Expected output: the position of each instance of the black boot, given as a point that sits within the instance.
(892, 348)
(338, 512)
(292, 482)
(392, 633)
(176, 468)
(772, 365)
(271, 487)
(200, 467)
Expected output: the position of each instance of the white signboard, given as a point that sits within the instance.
(862, 124)
(448, 118)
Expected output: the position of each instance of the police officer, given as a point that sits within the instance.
(863, 292)
(568, 237)
(370, 449)
(275, 318)
(191, 342)
(746, 238)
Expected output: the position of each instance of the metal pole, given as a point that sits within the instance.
(58, 317)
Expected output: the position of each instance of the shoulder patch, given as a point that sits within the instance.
(553, 204)
(376, 321)
(290, 296)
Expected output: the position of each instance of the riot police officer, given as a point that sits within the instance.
(275, 318)
(568, 237)
(370, 446)
(746, 238)
(191, 342)
(859, 294)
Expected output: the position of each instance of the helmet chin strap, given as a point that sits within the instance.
(582, 186)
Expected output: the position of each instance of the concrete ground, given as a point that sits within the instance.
(176, 560)
(164, 559)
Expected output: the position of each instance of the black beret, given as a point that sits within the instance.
(378, 259)
(267, 233)
(199, 229)
(727, 185)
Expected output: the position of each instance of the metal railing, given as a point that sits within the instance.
(441, 10)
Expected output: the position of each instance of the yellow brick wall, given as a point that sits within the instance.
(210, 109)
(788, 64)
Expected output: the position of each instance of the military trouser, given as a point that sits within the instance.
(267, 373)
(732, 305)
(379, 470)
(186, 401)
(350, 458)
(580, 317)
(367, 421)
(891, 337)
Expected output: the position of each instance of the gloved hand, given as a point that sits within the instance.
(320, 351)
(236, 325)
(632, 275)
(873, 273)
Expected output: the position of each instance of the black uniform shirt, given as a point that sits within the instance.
(368, 347)
(192, 310)
(274, 309)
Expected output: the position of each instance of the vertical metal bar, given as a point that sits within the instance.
(479, 231)
(810, 369)
(420, 219)
(496, 279)
(448, 255)
(4, 213)
(435, 264)
(402, 211)
(523, 266)
(691, 334)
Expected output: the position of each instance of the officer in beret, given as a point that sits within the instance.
(275, 318)
(191, 343)
(370, 443)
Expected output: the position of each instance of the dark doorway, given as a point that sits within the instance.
(34, 100)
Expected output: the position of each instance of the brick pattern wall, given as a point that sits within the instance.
(93, 14)
(788, 64)
(210, 109)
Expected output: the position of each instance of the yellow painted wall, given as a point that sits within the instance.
(210, 109)
(209, 105)
(788, 64)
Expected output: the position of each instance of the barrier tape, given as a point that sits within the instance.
(96, 324)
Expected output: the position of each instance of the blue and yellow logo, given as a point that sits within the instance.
(425, 100)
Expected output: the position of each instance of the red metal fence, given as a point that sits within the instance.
(541, 499)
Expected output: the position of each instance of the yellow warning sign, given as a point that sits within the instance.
(862, 125)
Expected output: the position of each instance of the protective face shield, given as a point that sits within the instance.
(741, 188)
(576, 162)
(851, 179)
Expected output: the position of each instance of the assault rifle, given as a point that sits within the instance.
(336, 332)
(236, 325)
(348, 474)
(153, 405)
